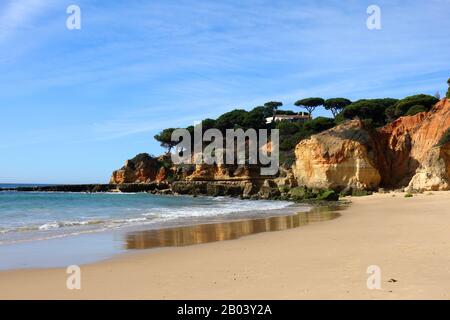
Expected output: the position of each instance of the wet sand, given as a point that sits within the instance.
(227, 230)
(407, 238)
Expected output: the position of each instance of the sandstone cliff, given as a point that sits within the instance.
(143, 168)
(404, 153)
(338, 158)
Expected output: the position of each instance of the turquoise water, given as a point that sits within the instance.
(26, 216)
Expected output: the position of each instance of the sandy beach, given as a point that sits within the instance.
(408, 238)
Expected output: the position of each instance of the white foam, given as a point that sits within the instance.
(48, 226)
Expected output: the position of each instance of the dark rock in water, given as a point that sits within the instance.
(126, 187)
(137, 187)
(209, 188)
(194, 187)
(165, 192)
(218, 189)
(69, 188)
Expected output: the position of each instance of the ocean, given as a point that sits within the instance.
(26, 216)
(51, 229)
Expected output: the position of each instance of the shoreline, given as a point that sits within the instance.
(327, 260)
(35, 250)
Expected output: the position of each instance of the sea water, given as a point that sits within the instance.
(41, 228)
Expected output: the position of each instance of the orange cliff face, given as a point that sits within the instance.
(141, 169)
(433, 172)
(341, 157)
(403, 153)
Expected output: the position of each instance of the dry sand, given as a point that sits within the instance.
(408, 238)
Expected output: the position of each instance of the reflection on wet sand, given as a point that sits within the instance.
(202, 233)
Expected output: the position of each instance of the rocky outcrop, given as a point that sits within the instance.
(350, 157)
(342, 157)
(143, 168)
(404, 153)
(434, 171)
(206, 172)
(410, 154)
(153, 187)
(210, 188)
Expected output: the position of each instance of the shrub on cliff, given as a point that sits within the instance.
(373, 109)
(403, 106)
(208, 124)
(256, 118)
(415, 109)
(231, 120)
(291, 133)
(448, 92)
(239, 118)
(445, 138)
(318, 125)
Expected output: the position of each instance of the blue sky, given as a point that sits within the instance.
(75, 104)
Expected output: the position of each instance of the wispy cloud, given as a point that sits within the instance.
(19, 15)
(138, 66)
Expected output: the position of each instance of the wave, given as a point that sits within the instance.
(51, 225)
(162, 212)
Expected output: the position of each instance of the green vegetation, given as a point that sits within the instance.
(165, 139)
(448, 92)
(356, 193)
(373, 109)
(402, 106)
(377, 112)
(336, 105)
(416, 109)
(273, 105)
(286, 112)
(291, 133)
(408, 195)
(328, 195)
(231, 120)
(372, 112)
(445, 138)
(310, 104)
(304, 193)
